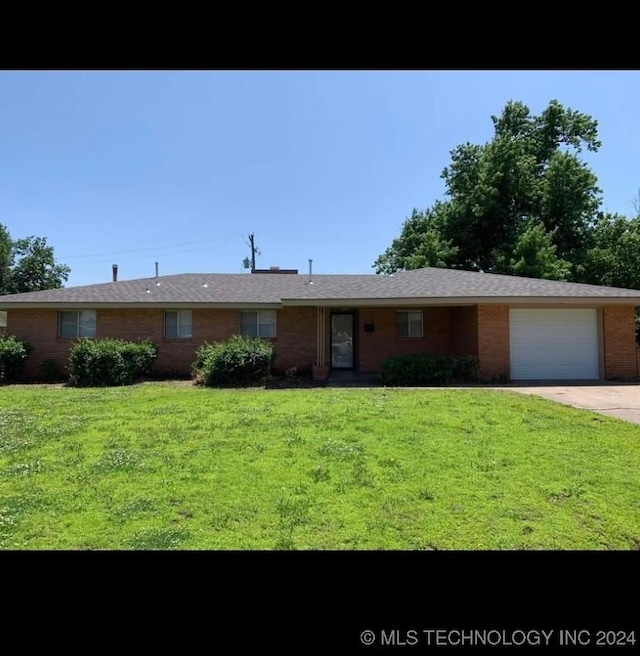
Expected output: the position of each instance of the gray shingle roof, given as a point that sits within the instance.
(246, 289)
(454, 283)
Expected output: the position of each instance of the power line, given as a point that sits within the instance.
(201, 244)
(132, 257)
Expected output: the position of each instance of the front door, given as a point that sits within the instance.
(342, 340)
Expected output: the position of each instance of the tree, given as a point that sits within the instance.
(6, 246)
(28, 265)
(421, 243)
(534, 255)
(530, 174)
(614, 256)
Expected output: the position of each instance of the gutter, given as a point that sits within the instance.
(515, 301)
(464, 300)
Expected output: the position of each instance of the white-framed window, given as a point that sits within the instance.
(177, 324)
(258, 323)
(409, 323)
(76, 324)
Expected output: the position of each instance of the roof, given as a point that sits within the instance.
(421, 286)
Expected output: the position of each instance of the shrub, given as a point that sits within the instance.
(49, 371)
(13, 355)
(427, 369)
(105, 362)
(238, 362)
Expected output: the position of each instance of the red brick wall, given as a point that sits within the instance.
(40, 329)
(295, 343)
(447, 330)
(619, 341)
(464, 330)
(493, 342)
(637, 361)
(374, 348)
(174, 355)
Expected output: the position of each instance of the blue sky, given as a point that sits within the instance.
(133, 167)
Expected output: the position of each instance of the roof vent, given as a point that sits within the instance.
(114, 268)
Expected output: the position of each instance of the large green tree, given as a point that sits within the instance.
(525, 190)
(28, 265)
(5, 260)
(613, 258)
(421, 243)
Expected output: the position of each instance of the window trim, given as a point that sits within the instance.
(409, 335)
(257, 313)
(77, 335)
(177, 337)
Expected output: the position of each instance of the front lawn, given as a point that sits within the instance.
(171, 466)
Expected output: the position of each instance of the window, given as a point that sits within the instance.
(261, 323)
(410, 324)
(177, 325)
(76, 324)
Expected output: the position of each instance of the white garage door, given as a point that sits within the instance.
(554, 344)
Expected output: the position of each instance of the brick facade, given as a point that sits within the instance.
(464, 330)
(493, 342)
(619, 341)
(40, 329)
(446, 331)
(295, 343)
(481, 330)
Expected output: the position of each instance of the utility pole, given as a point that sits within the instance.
(254, 251)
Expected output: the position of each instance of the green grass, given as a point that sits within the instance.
(171, 466)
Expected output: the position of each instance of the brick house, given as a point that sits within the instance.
(520, 328)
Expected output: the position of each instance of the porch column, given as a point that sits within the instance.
(493, 342)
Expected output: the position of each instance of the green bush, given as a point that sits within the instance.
(427, 369)
(49, 371)
(238, 362)
(13, 355)
(107, 362)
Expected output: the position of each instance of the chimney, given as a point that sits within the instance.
(114, 267)
(156, 269)
(274, 269)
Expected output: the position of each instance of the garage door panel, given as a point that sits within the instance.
(557, 356)
(554, 344)
(560, 371)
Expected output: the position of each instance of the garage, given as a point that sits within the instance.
(554, 344)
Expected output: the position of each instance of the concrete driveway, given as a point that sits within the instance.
(613, 399)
